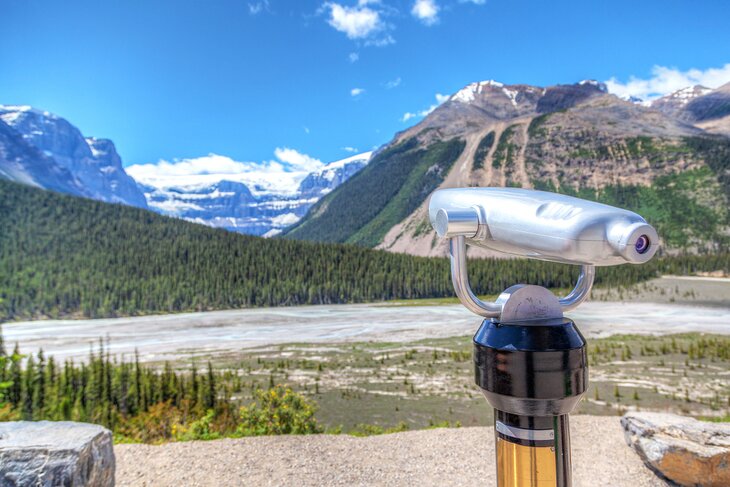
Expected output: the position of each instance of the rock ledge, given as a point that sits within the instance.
(683, 450)
(49, 453)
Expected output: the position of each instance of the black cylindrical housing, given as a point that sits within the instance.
(531, 368)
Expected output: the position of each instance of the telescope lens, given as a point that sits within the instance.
(642, 244)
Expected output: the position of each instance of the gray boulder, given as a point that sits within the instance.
(684, 450)
(49, 453)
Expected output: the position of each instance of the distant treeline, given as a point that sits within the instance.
(66, 256)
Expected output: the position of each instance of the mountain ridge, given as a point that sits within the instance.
(577, 139)
(240, 207)
(45, 150)
(94, 164)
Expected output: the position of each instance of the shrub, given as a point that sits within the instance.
(158, 424)
(278, 411)
(200, 429)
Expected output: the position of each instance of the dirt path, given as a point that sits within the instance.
(520, 170)
(428, 457)
(497, 128)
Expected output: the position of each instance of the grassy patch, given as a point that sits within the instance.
(394, 386)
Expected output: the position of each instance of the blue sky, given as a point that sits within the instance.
(170, 80)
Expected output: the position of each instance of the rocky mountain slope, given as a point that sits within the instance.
(706, 108)
(577, 139)
(241, 207)
(44, 150)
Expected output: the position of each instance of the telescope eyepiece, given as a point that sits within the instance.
(642, 244)
(636, 242)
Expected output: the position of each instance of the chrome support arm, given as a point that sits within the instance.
(581, 290)
(460, 279)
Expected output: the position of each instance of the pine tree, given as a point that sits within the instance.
(39, 387)
(209, 398)
(29, 376)
(15, 376)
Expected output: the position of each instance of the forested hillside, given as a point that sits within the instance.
(393, 185)
(67, 256)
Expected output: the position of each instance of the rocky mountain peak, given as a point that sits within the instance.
(596, 84)
(486, 102)
(708, 108)
(94, 164)
(317, 184)
(674, 104)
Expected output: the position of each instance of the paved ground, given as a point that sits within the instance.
(440, 457)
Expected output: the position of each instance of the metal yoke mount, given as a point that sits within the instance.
(530, 363)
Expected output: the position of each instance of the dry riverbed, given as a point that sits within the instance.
(661, 306)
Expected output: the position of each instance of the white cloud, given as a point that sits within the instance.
(257, 7)
(364, 22)
(357, 91)
(383, 41)
(666, 80)
(350, 149)
(280, 176)
(407, 116)
(475, 2)
(353, 57)
(357, 22)
(394, 83)
(427, 11)
(296, 160)
(439, 100)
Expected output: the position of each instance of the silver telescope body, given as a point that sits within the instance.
(530, 362)
(537, 225)
(542, 225)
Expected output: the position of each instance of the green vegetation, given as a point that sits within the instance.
(535, 128)
(505, 151)
(485, 145)
(394, 183)
(64, 256)
(432, 166)
(141, 403)
(716, 153)
(278, 411)
(687, 209)
(353, 388)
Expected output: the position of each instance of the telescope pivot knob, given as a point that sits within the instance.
(454, 222)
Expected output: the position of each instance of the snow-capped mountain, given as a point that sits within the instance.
(42, 149)
(318, 184)
(243, 197)
(675, 103)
